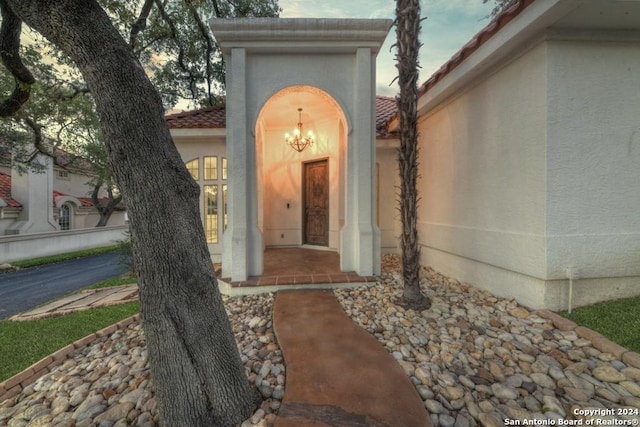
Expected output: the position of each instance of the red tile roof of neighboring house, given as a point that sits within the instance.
(207, 117)
(215, 117)
(5, 194)
(85, 201)
(476, 41)
(5, 191)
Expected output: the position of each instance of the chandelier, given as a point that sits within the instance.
(297, 141)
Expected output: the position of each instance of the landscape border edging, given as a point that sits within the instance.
(14, 385)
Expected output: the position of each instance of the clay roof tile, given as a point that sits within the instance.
(207, 117)
(5, 191)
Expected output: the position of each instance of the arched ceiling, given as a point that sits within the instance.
(281, 110)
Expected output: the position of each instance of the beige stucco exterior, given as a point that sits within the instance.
(530, 167)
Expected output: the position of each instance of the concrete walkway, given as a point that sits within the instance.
(338, 374)
(84, 300)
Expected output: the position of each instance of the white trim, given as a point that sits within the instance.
(300, 34)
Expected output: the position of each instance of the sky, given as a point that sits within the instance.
(449, 25)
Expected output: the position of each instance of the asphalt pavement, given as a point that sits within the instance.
(28, 288)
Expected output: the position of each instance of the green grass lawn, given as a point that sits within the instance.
(115, 281)
(24, 343)
(62, 257)
(618, 320)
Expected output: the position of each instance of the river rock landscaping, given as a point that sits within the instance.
(474, 359)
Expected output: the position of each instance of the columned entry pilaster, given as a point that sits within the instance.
(360, 248)
(242, 240)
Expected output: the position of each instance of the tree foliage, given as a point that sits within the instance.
(173, 42)
(498, 6)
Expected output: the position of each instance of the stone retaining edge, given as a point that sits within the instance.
(15, 384)
(600, 342)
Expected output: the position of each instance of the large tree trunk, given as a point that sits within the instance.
(198, 375)
(408, 45)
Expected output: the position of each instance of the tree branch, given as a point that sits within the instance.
(216, 8)
(94, 194)
(76, 91)
(10, 30)
(141, 23)
(181, 53)
(204, 32)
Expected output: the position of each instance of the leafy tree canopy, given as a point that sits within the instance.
(172, 40)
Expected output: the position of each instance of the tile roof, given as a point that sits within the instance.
(207, 117)
(5, 191)
(215, 117)
(476, 41)
(386, 108)
(5, 194)
(85, 201)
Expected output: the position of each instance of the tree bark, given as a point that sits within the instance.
(198, 375)
(408, 45)
(105, 211)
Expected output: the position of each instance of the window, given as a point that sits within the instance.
(211, 212)
(63, 175)
(224, 168)
(64, 219)
(210, 168)
(224, 206)
(193, 168)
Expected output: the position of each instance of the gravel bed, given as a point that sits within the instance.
(474, 359)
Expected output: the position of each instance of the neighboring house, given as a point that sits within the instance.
(56, 199)
(529, 151)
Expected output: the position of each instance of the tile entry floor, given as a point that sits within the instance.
(303, 265)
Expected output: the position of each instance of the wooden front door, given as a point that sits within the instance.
(316, 203)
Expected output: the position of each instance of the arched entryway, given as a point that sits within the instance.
(301, 194)
(326, 67)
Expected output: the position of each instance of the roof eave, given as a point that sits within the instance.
(299, 34)
(516, 35)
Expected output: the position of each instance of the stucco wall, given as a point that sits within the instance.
(533, 168)
(387, 194)
(282, 174)
(593, 167)
(482, 178)
(15, 248)
(266, 76)
(73, 184)
(594, 161)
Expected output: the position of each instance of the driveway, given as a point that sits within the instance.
(25, 289)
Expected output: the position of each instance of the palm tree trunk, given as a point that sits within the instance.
(408, 45)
